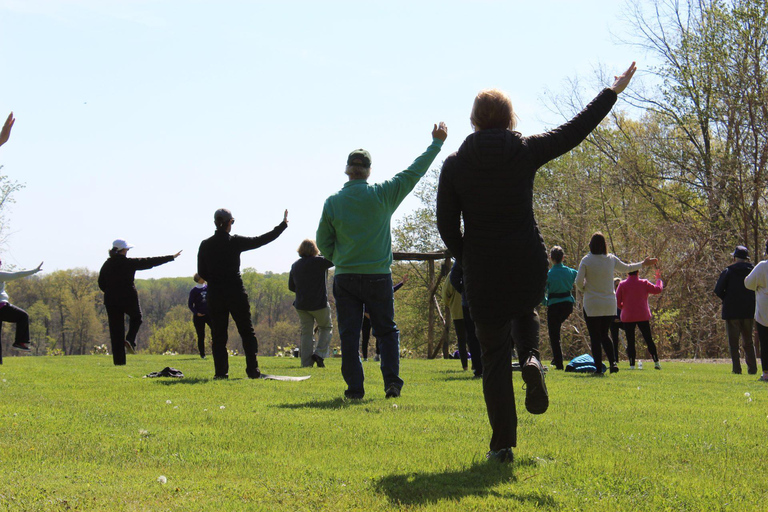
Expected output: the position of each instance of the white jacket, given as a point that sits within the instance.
(595, 280)
(757, 280)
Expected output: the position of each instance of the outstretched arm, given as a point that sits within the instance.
(5, 133)
(248, 243)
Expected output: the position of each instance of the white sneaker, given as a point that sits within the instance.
(657, 365)
(631, 367)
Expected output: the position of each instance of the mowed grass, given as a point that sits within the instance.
(77, 433)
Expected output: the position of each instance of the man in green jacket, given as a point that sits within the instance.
(354, 233)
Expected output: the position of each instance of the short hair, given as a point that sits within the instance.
(492, 109)
(358, 172)
(221, 217)
(633, 273)
(556, 254)
(308, 248)
(196, 278)
(597, 244)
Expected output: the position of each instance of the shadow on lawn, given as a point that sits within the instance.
(186, 380)
(333, 403)
(415, 489)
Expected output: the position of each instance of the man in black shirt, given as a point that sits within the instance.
(218, 262)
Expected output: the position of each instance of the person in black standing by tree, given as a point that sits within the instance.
(198, 304)
(218, 262)
(488, 183)
(116, 280)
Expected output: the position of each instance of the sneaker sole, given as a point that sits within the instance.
(21, 349)
(536, 397)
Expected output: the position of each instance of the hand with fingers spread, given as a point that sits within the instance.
(5, 133)
(440, 132)
(285, 217)
(622, 81)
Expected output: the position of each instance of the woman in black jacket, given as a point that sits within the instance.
(121, 298)
(488, 183)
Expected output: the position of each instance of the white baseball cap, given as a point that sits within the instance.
(121, 244)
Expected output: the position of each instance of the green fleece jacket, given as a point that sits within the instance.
(354, 230)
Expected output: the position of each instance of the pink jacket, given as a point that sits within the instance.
(632, 297)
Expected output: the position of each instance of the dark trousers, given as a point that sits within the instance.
(366, 333)
(645, 330)
(461, 337)
(741, 327)
(556, 315)
(117, 336)
(598, 327)
(496, 339)
(221, 304)
(200, 322)
(373, 293)
(762, 334)
(14, 315)
(475, 350)
(616, 326)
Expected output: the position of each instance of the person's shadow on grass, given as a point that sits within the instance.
(415, 489)
(333, 403)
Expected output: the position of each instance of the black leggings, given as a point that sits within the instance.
(200, 322)
(598, 327)
(645, 330)
(556, 315)
(12, 314)
(762, 334)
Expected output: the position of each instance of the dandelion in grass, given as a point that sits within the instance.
(168, 402)
(222, 407)
(394, 406)
(162, 479)
(747, 394)
(143, 433)
(175, 406)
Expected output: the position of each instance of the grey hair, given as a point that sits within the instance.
(358, 172)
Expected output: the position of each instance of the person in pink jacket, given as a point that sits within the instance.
(632, 300)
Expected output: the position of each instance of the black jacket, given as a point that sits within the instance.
(307, 281)
(117, 274)
(738, 302)
(489, 183)
(218, 259)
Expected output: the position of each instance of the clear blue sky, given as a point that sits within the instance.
(137, 119)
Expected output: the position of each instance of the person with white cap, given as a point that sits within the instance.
(13, 314)
(116, 280)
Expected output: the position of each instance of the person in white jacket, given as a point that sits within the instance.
(12, 314)
(757, 280)
(595, 280)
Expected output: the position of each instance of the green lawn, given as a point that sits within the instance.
(77, 433)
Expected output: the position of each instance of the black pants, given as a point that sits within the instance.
(616, 325)
(14, 315)
(116, 318)
(556, 315)
(496, 339)
(598, 327)
(200, 322)
(475, 349)
(461, 337)
(221, 304)
(366, 334)
(762, 334)
(645, 330)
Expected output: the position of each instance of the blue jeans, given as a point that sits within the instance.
(353, 292)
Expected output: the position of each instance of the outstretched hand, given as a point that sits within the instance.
(285, 217)
(5, 133)
(177, 254)
(39, 267)
(650, 262)
(440, 132)
(622, 81)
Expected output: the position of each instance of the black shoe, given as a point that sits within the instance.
(129, 348)
(221, 377)
(253, 374)
(392, 392)
(536, 397)
(353, 396)
(319, 360)
(22, 346)
(614, 368)
(501, 456)
(752, 372)
(557, 366)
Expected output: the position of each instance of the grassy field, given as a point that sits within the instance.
(77, 433)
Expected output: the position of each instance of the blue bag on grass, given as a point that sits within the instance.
(583, 364)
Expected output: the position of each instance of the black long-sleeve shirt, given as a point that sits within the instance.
(116, 277)
(218, 260)
(307, 281)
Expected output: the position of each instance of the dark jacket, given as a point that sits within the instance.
(117, 275)
(489, 183)
(738, 302)
(218, 259)
(307, 281)
(198, 302)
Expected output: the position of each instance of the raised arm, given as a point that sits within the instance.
(147, 263)
(564, 138)
(631, 267)
(247, 243)
(397, 188)
(5, 133)
(658, 287)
